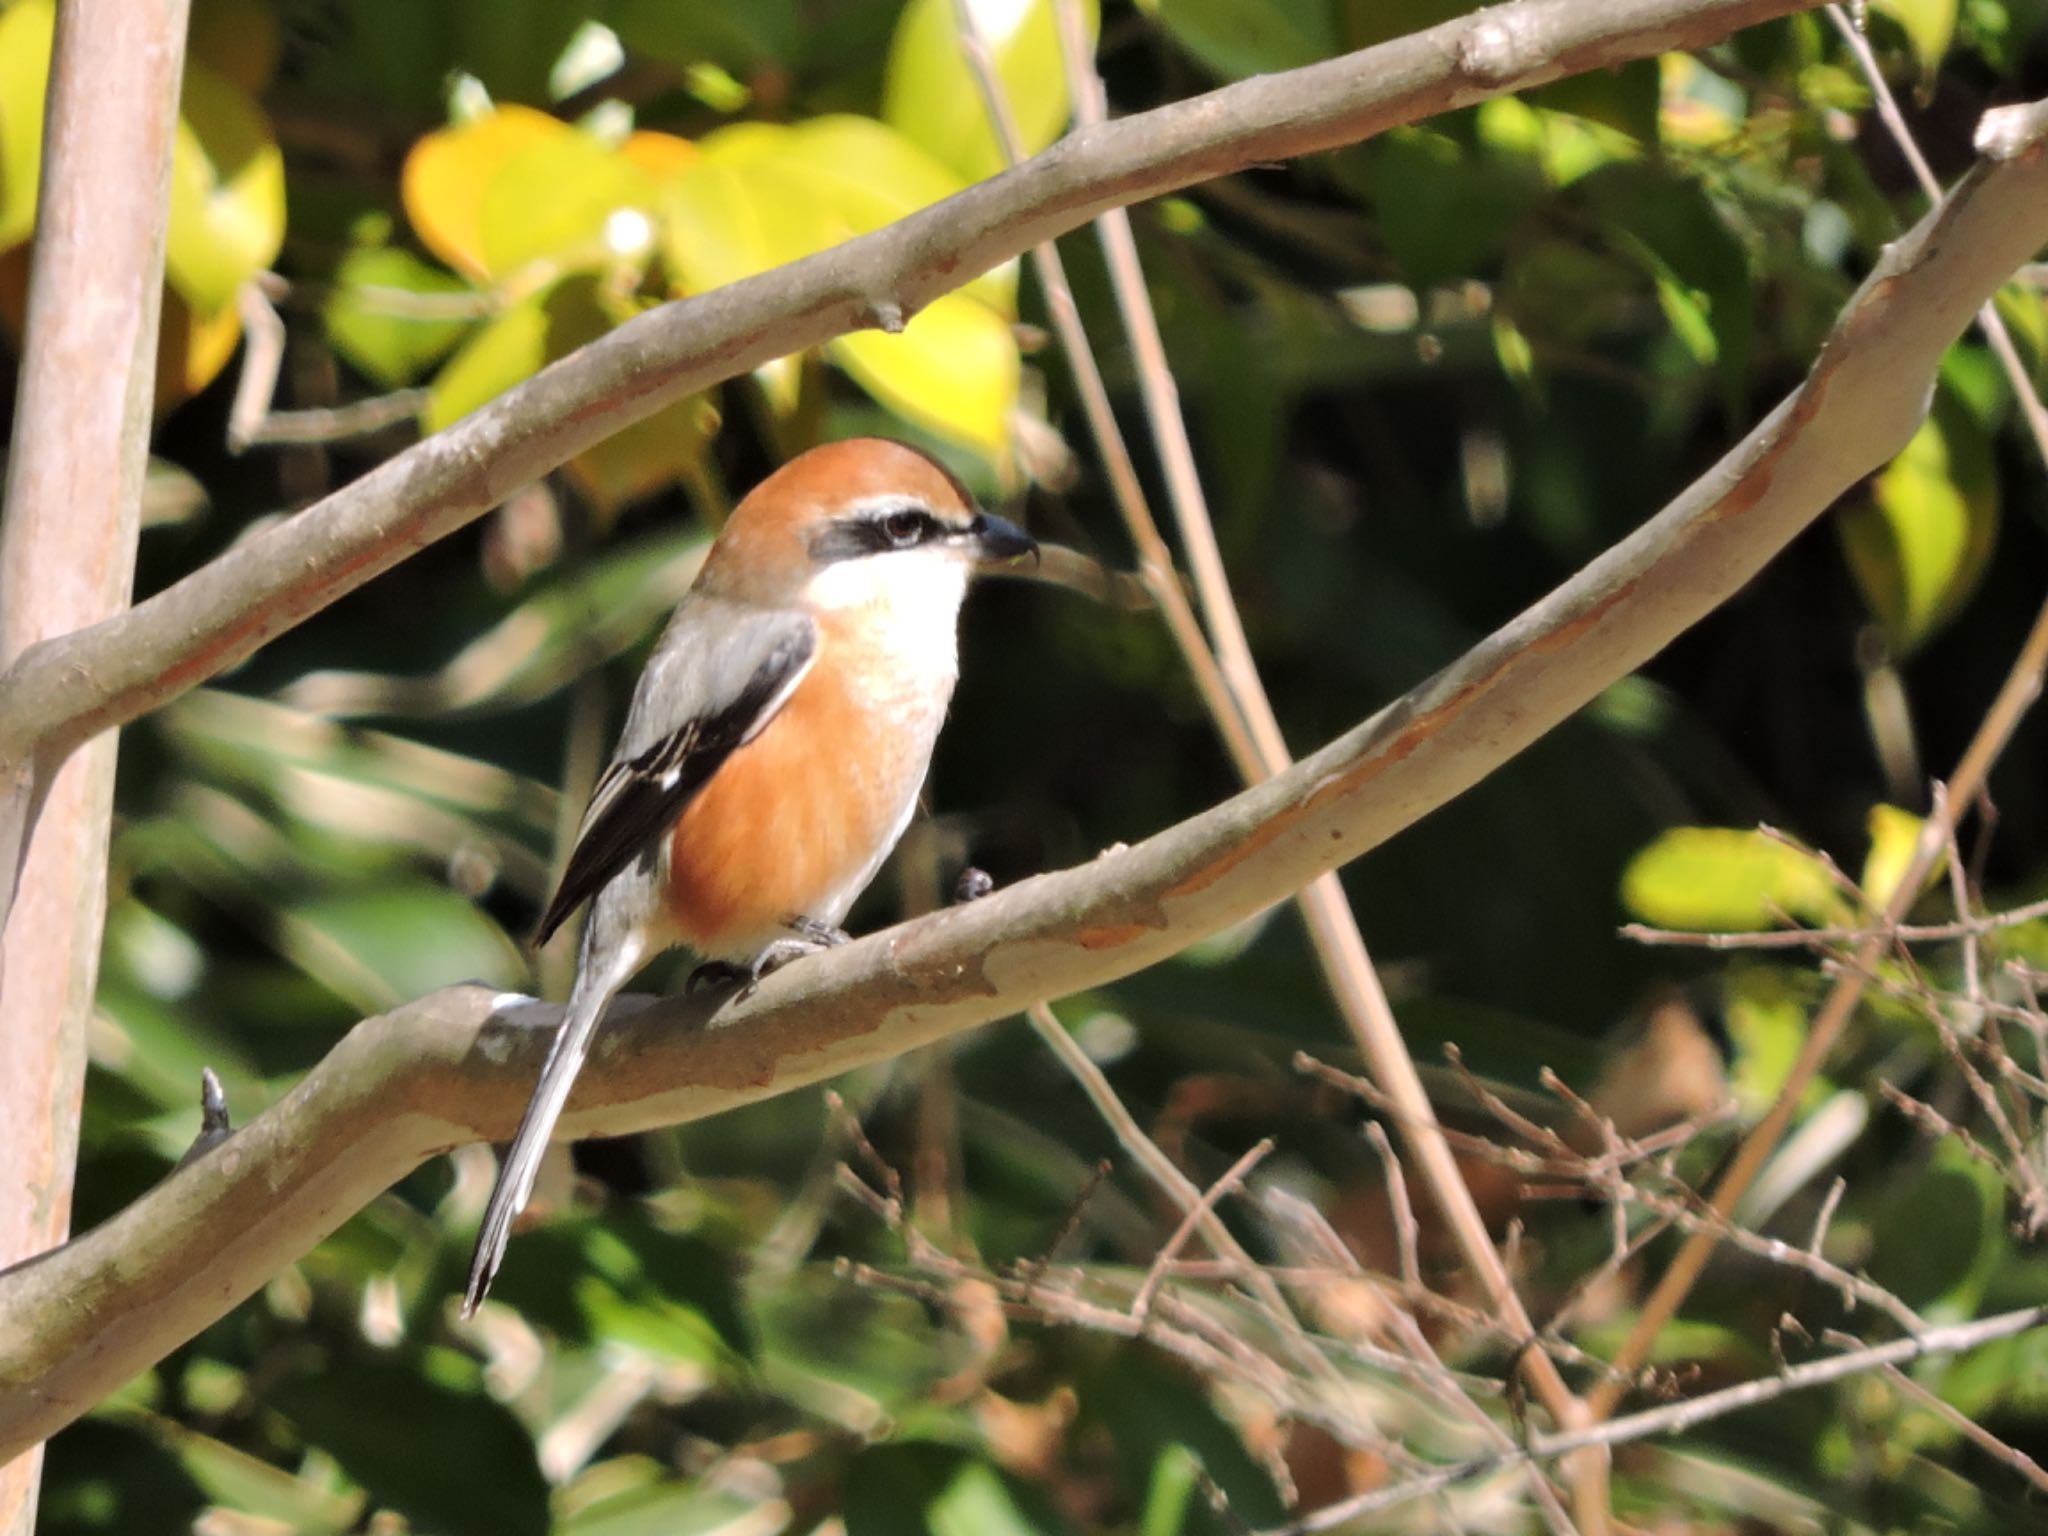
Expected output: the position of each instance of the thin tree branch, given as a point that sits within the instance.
(67, 691)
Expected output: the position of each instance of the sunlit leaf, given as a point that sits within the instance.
(1894, 835)
(760, 195)
(375, 319)
(1929, 25)
(1722, 879)
(954, 370)
(930, 95)
(598, 205)
(25, 32)
(449, 173)
(1235, 38)
(192, 347)
(227, 193)
(632, 462)
(1919, 545)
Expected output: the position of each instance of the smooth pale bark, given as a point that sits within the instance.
(67, 556)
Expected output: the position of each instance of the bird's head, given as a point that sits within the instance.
(860, 524)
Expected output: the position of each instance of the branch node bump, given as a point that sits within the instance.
(886, 315)
(2007, 133)
(214, 1124)
(1491, 53)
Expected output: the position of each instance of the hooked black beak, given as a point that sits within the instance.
(998, 541)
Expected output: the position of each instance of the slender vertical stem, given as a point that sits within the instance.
(67, 557)
(1333, 928)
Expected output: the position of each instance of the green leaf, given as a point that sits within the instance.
(1235, 38)
(953, 370)
(1723, 880)
(374, 1416)
(631, 1496)
(913, 1489)
(371, 325)
(1919, 546)
(107, 1476)
(760, 195)
(1446, 206)
(1151, 1411)
(634, 461)
(1936, 1245)
(227, 192)
(1929, 25)
(575, 620)
(930, 95)
(381, 945)
(761, 34)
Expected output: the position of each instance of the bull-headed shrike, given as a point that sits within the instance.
(774, 749)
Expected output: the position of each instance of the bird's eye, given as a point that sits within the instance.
(906, 528)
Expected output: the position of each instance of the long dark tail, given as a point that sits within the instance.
(597, 980)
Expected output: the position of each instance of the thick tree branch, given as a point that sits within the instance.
(457, 1066)
(68, 690)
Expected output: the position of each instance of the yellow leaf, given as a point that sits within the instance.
(954, 370)
(192, 348)
(448, 172)
(1929, 25)
(1723, 880)
(227, 192)
(759, 195)
(658, 155)
(1919, 545)
(930, 95)
(1894, 834)
(633, 462)
(25, 32)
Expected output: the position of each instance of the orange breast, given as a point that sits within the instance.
(795, 820)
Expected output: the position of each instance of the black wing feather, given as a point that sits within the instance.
(639, 798)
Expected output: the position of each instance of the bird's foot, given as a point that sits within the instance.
(972, 885)
(814, 935)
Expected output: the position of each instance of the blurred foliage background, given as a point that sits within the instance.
(1428, 377)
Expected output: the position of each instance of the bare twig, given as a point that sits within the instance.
(1175, 1185)
(1969, 1428)
(1802, 938)
(252, 422)
(1675, 1417)
(1233, 1179)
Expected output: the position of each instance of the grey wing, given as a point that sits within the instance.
(719, 674)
